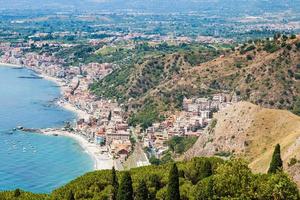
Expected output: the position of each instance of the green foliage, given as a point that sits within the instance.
(200, 168)
(271, 47)
(213, 124)
(180, 145)
(125, 191)
(167, 158)
(234, 180)
(17, 192)
(276, 162)
(154, 161)
(293, 36)
(205, 189)
(200, 178)
(147, 116)
(173, 185)
(114, 183)
(21, 195)
(71, 196)
(292, 162)
(146, 68)
(296, 107)
(109, 116)
(142, 192)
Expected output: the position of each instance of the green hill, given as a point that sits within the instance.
(264, 72)
(200, 178)
(148, 68)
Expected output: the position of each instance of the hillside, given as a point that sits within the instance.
(264, 72)
(249, 131)
(200, 178)
(147, 69)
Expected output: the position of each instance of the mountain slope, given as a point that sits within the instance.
(260, 74)
(264, 72)
(249, 131)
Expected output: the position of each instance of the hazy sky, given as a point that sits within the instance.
(157, 5)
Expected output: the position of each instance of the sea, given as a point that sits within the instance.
(31, 161)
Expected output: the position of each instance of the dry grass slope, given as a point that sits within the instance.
(250, 131)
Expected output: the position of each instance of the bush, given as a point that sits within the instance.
(271, 47)
(234, 180)
(296, 107)
(292, 162)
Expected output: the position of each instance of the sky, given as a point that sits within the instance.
(158, 6)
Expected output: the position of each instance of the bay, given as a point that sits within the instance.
(30, 161)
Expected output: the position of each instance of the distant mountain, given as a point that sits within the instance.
(161, 6)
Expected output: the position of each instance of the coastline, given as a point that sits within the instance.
(64, 104)
(101, 160)
(10, 65)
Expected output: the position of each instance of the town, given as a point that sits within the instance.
(102, 121)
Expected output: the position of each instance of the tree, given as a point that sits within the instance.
(207, 171)
(142, 192)
(232, 180)
(154, 161)
(17, 192)
(114, 183)
(125, 191)
(173, 186)
(205, 189)
(71, 195)
(276, 162)
(109, 116)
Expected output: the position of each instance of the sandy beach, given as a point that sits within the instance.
(101, 160)
(66, 105)
(9, 65)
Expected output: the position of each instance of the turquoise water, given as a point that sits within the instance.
(34, 162)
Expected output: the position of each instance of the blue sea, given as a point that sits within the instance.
(30, 161)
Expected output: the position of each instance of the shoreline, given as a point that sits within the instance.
(101, 161)
(64, 104)
(10, 65)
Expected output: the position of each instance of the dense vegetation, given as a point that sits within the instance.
(200, 178)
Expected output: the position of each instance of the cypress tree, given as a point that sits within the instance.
(210, 188)
(125, 191)
(71, 195)
(114, 183)
(142, 192)
(207, 169)
(109, 116)
(173, 186)
(17, 192)
(276, 162)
